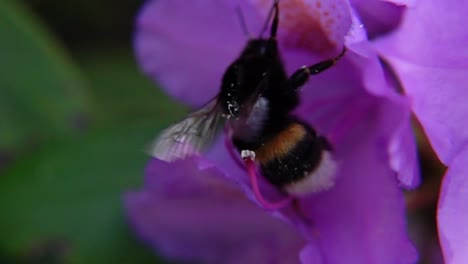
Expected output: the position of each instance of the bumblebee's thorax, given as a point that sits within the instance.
(258, 68)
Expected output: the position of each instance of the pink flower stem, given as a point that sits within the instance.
(249, 165)
(251, 169)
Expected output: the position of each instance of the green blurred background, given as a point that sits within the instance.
(75, 116)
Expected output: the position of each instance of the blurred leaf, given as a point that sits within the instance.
(66, 202)
(41, 93)
(121, 90)
(82, 24)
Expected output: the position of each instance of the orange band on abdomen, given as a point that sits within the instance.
(281, 144)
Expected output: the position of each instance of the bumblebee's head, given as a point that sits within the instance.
(242, 80)
(260, 47)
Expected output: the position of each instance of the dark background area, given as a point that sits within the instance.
(75, 117)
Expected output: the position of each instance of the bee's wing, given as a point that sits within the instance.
(189, 136)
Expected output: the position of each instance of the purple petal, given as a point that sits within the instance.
(313, 25)
(402, 145)
(196, 215)
(429, 55)
(401, 2)
(311, 254)
(187, 45)
(403, 156)
(361, 219)
(366, 203)
(331, 103)
(453, 210)
(379, 17)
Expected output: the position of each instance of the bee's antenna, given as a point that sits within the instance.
(242, 22)
(274, 25)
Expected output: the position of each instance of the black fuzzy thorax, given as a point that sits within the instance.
(258, 70)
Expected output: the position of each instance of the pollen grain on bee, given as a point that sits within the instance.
(248, 155)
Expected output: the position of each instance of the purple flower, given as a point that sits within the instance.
(186, 46)
(429, 54)
(188, 211)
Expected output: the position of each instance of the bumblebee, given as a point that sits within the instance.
(255, 104)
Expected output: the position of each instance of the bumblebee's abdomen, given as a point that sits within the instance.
(292, 155)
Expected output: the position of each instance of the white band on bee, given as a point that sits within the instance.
(321, 179)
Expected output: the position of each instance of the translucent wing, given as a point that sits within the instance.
(191, 135)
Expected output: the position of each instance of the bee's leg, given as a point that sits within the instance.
(301, 76)
(274, 24)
